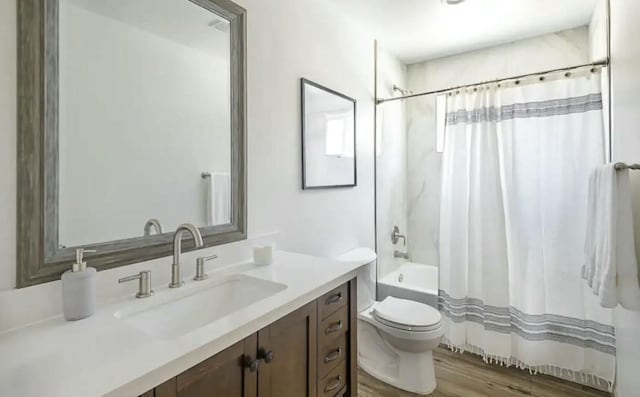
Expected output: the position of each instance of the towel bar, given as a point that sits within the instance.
(623, 166)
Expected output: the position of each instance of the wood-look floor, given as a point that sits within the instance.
(466, 375)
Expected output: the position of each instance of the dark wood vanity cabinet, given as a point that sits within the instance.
(230, 373)
(310, 352)
(287, 349)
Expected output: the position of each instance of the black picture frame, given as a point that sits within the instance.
(304, 83)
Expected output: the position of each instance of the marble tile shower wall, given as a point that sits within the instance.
(424, 168)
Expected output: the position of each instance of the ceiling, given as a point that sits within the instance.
(417, 30)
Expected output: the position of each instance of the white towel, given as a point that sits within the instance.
(588, 269)
(611, 267)
(218, 198)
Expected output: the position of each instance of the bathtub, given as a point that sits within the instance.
(413, 281)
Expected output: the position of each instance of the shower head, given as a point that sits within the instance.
(451, 2)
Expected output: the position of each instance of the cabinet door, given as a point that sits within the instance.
(288, 350)
(227, 374)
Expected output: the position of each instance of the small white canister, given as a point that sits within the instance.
(263, 255)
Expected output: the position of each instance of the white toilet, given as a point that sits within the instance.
(396, 337)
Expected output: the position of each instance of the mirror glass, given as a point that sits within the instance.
(144, 118)
(328, 134)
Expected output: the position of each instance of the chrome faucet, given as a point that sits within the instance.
(152, 223)
(176, 271)
(402, 255)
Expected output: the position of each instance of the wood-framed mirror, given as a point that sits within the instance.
(127, 114)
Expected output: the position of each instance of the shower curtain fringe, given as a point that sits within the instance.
(564, 373)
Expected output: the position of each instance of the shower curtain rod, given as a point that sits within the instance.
(604, 62)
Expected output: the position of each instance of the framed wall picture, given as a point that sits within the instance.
(328, 138)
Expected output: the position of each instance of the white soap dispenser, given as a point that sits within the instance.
(78, 289)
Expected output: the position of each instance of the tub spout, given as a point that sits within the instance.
(402, 255)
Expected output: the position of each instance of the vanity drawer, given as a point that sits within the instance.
(331, 354)
(332, 384)
(333, 300)
(333, 326)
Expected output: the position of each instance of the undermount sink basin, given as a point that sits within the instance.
(173, 318)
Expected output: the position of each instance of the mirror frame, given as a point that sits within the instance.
(39, 258)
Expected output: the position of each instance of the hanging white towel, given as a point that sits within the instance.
(218, 198)
(589, 267)
(611, 267)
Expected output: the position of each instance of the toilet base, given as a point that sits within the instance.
(413, 372)
(419, 380)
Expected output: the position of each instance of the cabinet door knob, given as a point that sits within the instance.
(267, 356)
(252, 365)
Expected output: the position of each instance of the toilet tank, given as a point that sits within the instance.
(366, 274)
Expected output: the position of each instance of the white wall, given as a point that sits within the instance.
(551, 51)
(141, 117)
(598, 32)
(625, 64)
(287, 39)
(391, 153)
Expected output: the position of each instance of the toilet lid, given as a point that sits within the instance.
(407, 314)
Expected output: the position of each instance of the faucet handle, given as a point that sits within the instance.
(200, 274)
(144, 283)
(396, 236)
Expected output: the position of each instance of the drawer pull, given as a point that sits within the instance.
(333, 356)
(334, 385)
(335, 327)
(334, 298)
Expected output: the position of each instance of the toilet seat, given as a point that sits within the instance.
(409, 328)
(406, 315)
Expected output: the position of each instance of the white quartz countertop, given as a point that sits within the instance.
(105, 356)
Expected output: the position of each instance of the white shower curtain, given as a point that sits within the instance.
(516, 166)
